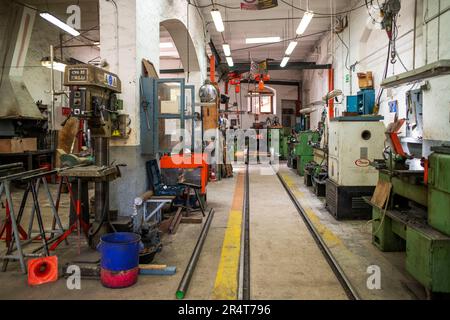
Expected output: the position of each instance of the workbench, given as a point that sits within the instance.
(29, 157)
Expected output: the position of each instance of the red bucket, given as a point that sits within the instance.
(119, 279)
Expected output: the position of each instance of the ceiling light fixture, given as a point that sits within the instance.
(284, 62)
(226, 49)
(57, 65)
(217, 18)
(230, 61)
(262, 40)
(50, 18)
(307, 17)
(290, 48)
(166, 45)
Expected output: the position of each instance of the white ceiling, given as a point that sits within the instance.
(236, 32)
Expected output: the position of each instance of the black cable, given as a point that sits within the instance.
(324, 14)
(348, 51)
(187, 42)
(290, 5)
(368, 11)
(103, 218)
(217, 5)
(281, 40)
(386, 67)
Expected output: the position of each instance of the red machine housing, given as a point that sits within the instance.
(190, 161)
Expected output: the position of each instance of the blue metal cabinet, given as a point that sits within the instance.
(366, 101)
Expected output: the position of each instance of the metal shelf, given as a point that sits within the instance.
(439, 68)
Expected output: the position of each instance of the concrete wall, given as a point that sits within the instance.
(138, 38)
(368, 47)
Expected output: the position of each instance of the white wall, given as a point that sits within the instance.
(139, 24)
(437, 100)
(368, 47)
(283, 92)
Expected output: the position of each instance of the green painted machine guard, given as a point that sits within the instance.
(301, 163)
(428, 260)
(439, 192)
(388, 237)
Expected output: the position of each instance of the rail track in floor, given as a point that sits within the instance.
(350, 291)
(244, 269)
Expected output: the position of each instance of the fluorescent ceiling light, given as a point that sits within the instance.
(58, 66)
(226, 49)
(262, 40)
(307, 17)
(50, 18)
(169, 54)
(291, 47)
(284, 62)
(217, 18)
(166, 45)
(230, 61)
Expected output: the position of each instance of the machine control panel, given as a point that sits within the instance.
(78, 102)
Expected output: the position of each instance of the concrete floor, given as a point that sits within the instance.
(176, 251)
(351, 244)
(285, 261)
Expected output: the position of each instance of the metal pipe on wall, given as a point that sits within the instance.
(415, 34)
(331, 88)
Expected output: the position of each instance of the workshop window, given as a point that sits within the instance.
(261, 102)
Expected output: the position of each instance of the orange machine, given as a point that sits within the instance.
(187, 161)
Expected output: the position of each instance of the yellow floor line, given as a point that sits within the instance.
(327, 235)
(226, 285)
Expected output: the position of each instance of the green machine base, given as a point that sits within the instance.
(301, 163)
(405, 225)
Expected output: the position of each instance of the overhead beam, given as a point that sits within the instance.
(242, 67)
(278, 82)
(166, 71)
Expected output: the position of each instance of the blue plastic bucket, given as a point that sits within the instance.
(120, 251)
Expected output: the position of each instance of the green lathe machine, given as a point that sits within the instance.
(411, 212)
(303, 149)
(283, 136)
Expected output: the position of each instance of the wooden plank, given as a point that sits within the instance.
(149, 69)
(164, 225)
(192, 220)
(175, 222)
(381, 194)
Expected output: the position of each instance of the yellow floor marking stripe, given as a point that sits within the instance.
(328, 236)
(226, 285)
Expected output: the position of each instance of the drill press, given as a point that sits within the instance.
(93, 100)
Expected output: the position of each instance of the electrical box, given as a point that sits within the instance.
(354, 142)
(352, 104)
(366, 101)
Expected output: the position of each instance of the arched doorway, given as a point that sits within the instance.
(178, 57)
